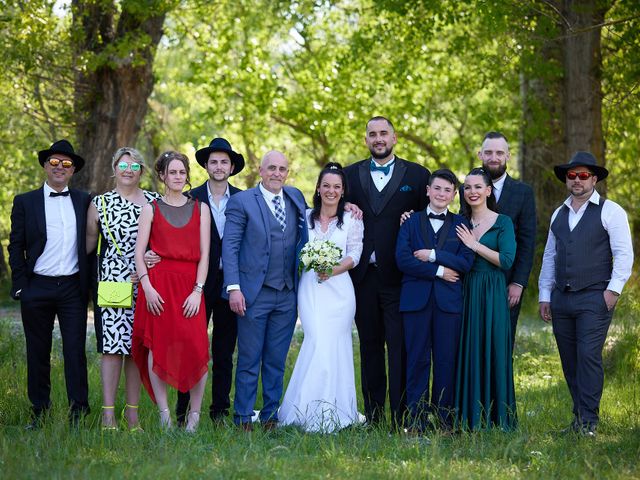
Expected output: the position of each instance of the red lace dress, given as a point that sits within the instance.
(180, 345)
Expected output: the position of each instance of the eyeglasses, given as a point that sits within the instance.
(580, 175)
(54, 162)
(135, 167)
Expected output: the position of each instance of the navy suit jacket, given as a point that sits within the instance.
(215, 251)
(419, 278)
(247, 241)
(28, 236)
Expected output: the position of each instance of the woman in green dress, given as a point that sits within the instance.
(485, 396)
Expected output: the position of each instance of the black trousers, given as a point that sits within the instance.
(514, 313)
(580, 324)
(40, 302)
(223, 344)
(379, 322)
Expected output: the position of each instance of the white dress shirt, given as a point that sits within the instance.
(436, 225)
(60, 254)
(498, 185)
(380, 180)
(268, 196)
(217, 212)
(614, 220)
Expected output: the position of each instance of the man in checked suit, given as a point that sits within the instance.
(49, 275)
(515, 199)
(383, 186)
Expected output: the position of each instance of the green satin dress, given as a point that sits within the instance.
(485, 395)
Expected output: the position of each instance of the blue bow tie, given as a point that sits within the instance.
(374, 167)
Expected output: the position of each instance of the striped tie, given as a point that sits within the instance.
(279, 212)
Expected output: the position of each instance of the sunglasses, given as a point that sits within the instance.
(580, 175)
(135, 167)
(54, 162)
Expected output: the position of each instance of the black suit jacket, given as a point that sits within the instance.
(28, 236)
(407, 190)
(518, 203)
(215, 252)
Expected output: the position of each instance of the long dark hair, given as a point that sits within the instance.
(465, 209)
(336, 169)
(163, 161)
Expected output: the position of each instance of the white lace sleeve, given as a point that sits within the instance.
(354, 240)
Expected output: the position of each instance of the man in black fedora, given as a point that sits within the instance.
(220, 162)
(587, 260)
(49, 273)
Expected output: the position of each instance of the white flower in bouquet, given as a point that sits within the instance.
(320, 256)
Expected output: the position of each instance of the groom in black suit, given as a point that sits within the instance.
(383, 186)
(49, 274)
(515, 199)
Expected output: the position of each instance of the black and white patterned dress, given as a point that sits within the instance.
(116, 324)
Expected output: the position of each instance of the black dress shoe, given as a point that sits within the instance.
(35, 424)
(573, 427)
(588, 430)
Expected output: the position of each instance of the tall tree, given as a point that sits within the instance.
(114, 44)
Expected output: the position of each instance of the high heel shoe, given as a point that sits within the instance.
(108, 427)
(193, 419)
(132, 428)
(165, 419)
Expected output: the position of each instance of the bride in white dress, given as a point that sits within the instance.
(321, 395)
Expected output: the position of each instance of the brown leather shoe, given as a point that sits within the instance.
(246, 427)
(269, 425)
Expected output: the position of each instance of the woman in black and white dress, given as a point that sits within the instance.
(114, 216)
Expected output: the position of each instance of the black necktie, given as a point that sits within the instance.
(438, 216)
(59, 194)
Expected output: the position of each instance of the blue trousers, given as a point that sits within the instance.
(431, 335)
(264, 336)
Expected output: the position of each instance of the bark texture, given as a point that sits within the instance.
(115, 49)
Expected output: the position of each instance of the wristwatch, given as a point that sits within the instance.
(198, 287)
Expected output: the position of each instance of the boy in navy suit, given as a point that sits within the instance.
(432, 260)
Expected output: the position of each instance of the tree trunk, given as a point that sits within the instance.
(583, 77)
(562, 99)
(114, 80)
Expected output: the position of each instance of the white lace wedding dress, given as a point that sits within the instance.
(321, 395)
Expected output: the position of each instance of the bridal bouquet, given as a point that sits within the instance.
(320, 256)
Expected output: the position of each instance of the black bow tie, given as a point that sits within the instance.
(437, 216)
(59, 194)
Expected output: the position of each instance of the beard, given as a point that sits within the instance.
(379, 156)
(495, 172)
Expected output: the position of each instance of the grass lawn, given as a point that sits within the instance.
(534, 451)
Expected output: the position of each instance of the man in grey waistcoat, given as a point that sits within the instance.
(587, 260)
(265, 230)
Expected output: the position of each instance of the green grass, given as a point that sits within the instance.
(534, 451)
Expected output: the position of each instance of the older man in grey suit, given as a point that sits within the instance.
(264, 231)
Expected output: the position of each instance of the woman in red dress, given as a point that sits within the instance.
(170, 343)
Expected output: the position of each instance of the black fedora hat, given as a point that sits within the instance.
(581, 159)
(65, 148)
(220, 145)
